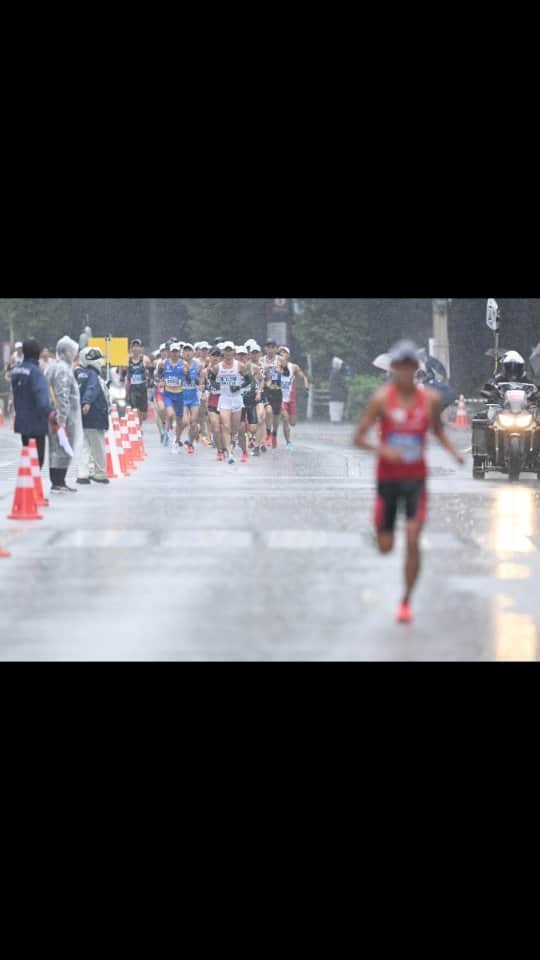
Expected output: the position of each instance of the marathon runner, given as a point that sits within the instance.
(137, 379)
(203, 353)
(214, 393)
(159, 397)
(273, 394)
(230, 375)
(250, 391)
(174, 375)
(192, 398)
(405, 414)
(255, 355)
(289, 408)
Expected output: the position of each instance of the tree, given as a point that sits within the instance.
(329, 328)
(46, 319)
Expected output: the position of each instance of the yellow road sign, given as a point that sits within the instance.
(118, 349)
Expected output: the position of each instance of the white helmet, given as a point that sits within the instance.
(513, 365)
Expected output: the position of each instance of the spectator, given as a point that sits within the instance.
(95, 416)
(33, 410)
(65, 395)
(338, 390)
(45, 360)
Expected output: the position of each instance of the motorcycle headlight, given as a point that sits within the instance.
(506, 420)
(524, 420)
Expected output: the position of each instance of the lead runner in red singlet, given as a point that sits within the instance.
(405, 413)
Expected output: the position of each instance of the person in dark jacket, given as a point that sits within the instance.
(338, 390)
(33, 408)
(95, 416)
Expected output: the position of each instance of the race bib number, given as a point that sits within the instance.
(409, 444)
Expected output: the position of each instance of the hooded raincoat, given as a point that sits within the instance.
(66, 399)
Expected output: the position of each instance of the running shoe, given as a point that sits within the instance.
(263, 448)
(244, 458)
(289, 446)
(255, 452)
(404, 614)
(268, 440)
(231, 459)
(191, 448)
(221, 457)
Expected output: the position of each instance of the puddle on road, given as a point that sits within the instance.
(516, 634)
(514, 521)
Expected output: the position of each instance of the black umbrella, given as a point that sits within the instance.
(447, 393)
(436, 367)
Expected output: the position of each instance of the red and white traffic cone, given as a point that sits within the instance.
(24, 502)
(462, 420)
(111, 475)
(133, 437)
(41, 500)
(140, 434)
(117, 437)
(128, 452)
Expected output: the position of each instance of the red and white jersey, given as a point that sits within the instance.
(406, 430)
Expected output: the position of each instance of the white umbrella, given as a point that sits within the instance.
(383, 362)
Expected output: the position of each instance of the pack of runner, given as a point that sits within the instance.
(233, 397)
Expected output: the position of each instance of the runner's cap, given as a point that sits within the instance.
(242, 350)
(229, 345)
(174, 346)
(404, 350)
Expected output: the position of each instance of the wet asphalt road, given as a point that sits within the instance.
(190, 559)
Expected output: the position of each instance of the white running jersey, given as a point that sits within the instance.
(287, 384)
(231, 379)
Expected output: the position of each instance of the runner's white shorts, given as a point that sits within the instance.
(233, 403)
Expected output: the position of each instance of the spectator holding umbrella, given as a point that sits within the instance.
(338, 390)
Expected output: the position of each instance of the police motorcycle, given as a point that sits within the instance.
(506, 437)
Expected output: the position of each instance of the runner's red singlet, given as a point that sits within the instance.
(406, 430)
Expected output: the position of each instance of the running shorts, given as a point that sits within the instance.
(274, 399)
(174, 401)
(138, 399)
(290, 407)
(249, 415)
(233, 403)
(191, 400)
(413, 495)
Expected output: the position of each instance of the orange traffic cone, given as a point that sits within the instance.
(126, 443)
(462, 421)
(110, 470)
(24, 502)
(141, 435)
(124, 469)
(41, 501)
(133, 437)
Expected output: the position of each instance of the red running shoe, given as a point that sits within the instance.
(404, 614)
(220, 457)
(191, 448)
(268, 441)
(244, 458)
(274, 441)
